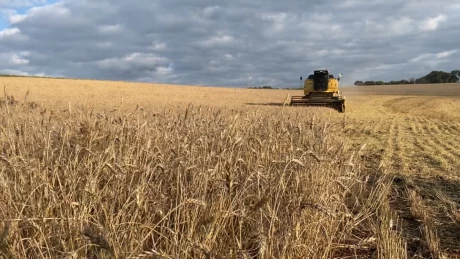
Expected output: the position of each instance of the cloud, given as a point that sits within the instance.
(17, 60)
(137, 61)
(231, 43)
(116, 28)
(446, 54)
(10, 10)
(434, 56)
(9, 32)
(432, 23)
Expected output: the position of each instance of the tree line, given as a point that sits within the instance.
(435, 77)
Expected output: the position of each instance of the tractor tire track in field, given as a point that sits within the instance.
(411, 226)
(426, 152)
(377, 127)
(386, 162)
(444, 142)
(451, 128)
(396, 160)
(405, 145)
(420, 154)
(441, 158)
(407, 138)
(443, 155)
(423, 154)
(451, 138)
(430, 218)
(402, 149)
(443, 202)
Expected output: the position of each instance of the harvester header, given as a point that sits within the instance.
(321, 89)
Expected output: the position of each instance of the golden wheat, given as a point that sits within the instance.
(187, 183)
(162, 171)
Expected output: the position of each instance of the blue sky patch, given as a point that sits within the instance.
(4, 9)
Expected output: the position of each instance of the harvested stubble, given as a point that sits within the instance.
(196, 182)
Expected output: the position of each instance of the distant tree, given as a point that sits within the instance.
(404, 82)
(421, 80)
(369, 83)
(434, 77)
(438, 77)
(456, 73)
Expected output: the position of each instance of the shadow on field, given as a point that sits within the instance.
(428, 208)
(438, 200)
(265, 104)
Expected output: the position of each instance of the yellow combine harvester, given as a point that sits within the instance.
(321, 89)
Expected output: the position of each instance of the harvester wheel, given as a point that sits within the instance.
(342, 107)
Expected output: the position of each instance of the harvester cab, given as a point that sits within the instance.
(321, 89)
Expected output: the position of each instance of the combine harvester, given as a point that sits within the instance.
(321, 89)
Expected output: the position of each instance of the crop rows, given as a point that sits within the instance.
(422, 155)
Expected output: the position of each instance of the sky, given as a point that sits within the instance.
(236, 43)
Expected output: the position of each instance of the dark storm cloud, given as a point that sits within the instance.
(234, 43)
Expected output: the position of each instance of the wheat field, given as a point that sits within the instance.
(100, 169)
